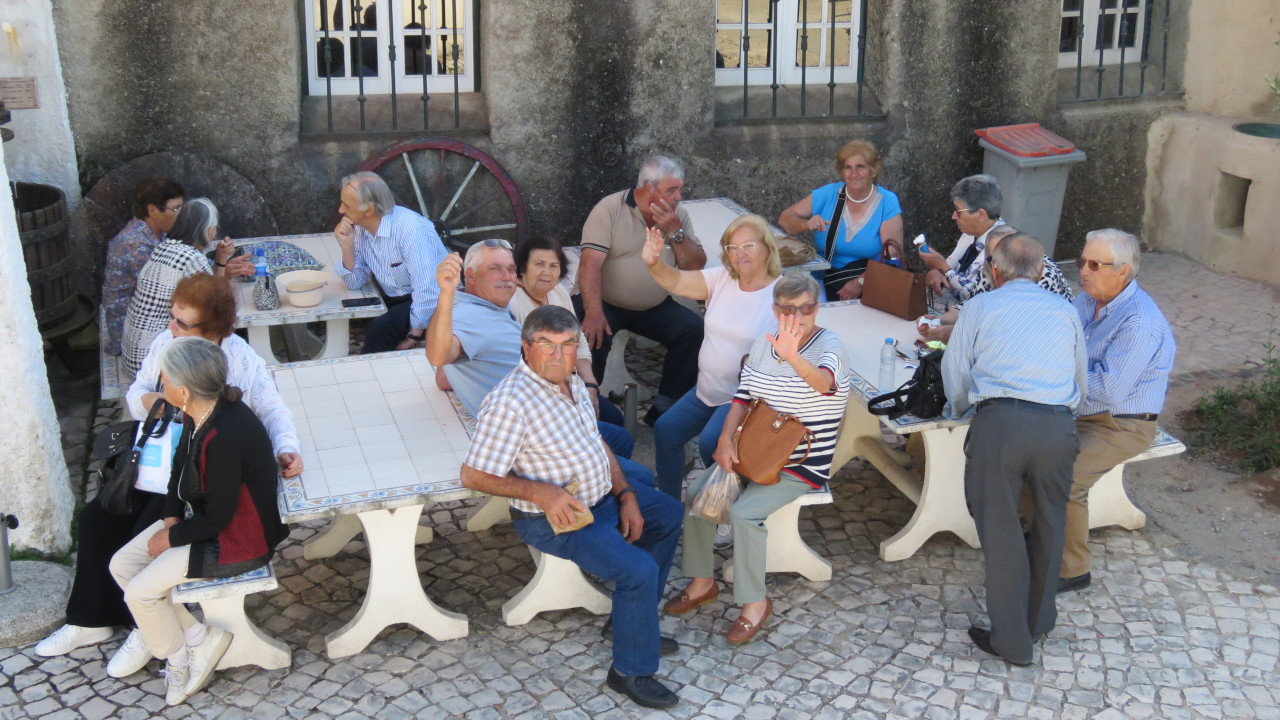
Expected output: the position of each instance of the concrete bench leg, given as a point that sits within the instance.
(494, 510)
(558, 584)
(786, 551)
(395, 593)
(249, 645)
(341, 531)
(260, 341)
(616, 377)
(942, 504)
(1109, 504)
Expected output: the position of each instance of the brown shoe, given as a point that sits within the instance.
(743, 630)
(682, 603)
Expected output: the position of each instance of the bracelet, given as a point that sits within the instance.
(221, 265)
(625, 491)
(416, 338)
(592, 386)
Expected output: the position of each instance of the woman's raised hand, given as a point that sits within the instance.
(653, 244)
(787, 342)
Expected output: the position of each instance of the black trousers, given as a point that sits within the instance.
(1012, 443)
(96, 600)
(670, 323)
(389, 329)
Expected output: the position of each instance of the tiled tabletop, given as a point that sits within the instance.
(375, 433)
(711, 216)
(324, 248)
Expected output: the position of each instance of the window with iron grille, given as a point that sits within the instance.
(791, 37)
(1106, 32)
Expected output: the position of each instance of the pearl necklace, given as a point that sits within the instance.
(868, 197)
(204, 417)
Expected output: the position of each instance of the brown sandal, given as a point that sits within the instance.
(682, 603)
(743, 630)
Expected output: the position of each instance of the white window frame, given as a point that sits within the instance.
(788, 47)
(381, 83)
(1089, 54)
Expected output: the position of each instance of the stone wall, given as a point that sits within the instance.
(578, 92)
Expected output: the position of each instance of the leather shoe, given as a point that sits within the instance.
(982, 638)
(683, 603)
(1078, 582)
(743, 630)
(651, 418)
(667, 645)
(643, 690)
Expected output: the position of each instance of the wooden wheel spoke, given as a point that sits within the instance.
(484, 202)
(422, 206)
(458, 194)
(486, 228)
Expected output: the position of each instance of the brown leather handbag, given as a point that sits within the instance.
(894, 290)
(764, 443)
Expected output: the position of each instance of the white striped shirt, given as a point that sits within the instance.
(1017, 341)
(774, 381)
(403, 257)
(527, 426)
(1131, 350)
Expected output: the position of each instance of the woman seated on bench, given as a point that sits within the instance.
(203, 306)
(220, 515)
(803, 370)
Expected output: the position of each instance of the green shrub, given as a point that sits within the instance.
(1242, 424)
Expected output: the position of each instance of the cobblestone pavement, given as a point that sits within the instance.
(1157, 636)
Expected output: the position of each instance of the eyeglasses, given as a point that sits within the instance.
(956, 211)
(182, 324)
(805, 309)
(171, 209)
(1093, 265)
(745, 247)
(546, 347)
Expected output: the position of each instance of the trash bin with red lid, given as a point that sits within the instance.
(1031, 164)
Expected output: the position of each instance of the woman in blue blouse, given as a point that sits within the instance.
(869, 224)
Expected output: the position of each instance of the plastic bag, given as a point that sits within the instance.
(718, 494)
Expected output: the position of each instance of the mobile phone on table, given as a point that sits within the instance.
(359, 302)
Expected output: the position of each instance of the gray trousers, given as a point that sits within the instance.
(1013, 443)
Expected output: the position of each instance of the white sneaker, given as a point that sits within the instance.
(724, 537)
(69, 637)
(132, 655)
(205, 657)
(175, 680)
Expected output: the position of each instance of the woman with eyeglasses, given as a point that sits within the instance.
(738, 296)
(181, 254)
(203, 306)
(802, 370)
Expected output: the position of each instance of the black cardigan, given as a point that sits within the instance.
(227, 475)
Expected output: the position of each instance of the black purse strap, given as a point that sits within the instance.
(159, 414)
(834, 226)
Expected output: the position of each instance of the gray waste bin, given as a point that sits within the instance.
(1031, 166)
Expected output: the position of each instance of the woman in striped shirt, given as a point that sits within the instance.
(802, 370)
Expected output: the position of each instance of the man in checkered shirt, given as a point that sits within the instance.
(536, 432)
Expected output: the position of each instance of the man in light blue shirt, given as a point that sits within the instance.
(1131, 351)
(397, 246)
(1017, 361)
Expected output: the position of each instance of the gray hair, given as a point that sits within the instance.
(793, 285)
(472, 257)
(1125, 249)
(1019, 257)
(193, 223)
(979, 192)
(371, 189)
(196, 364)
(659, 168)
(549, 319)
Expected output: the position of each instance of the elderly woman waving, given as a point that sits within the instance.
(738, 296)
(220, 514)
(801, 370)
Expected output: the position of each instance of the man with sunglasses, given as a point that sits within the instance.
(1131, 351)
(536, 443)
(397, 246)
(1018, 356)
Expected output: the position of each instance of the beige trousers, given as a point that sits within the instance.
(148, 584)
(1105, 442)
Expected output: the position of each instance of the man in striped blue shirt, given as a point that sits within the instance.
(1017, 355)
(1131, 351)
(400, 248)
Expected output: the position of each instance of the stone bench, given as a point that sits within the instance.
(785, 550)
(557, 584)
(115, 378)
(222, 600)
(1109, 503)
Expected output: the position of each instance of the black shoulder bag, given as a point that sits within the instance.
(922, 396)
(120, 447)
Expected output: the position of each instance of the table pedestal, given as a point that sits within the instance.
(337, 340)
(340, 532)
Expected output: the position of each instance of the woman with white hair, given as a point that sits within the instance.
(220, 514)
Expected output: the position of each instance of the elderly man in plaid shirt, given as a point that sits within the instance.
(535, 435)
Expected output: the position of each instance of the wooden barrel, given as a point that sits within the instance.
(43, 227)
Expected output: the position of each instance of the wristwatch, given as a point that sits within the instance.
(625, 491)
(677, 237)
(417, 338)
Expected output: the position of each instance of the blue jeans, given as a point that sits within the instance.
(638, 571)
(688, 417)
(617, 438)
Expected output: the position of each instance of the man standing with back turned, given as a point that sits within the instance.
(1017, 354)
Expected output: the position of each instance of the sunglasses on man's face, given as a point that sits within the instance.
(1093, 265)
(805, 309)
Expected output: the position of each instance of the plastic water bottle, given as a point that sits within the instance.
(920, 243)
(887, 363)
(259, 265)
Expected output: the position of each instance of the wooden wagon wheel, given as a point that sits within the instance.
(459, 188)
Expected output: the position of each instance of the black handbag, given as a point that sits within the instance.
(922, 396)
(119, 447)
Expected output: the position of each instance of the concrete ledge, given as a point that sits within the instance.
(38, 603)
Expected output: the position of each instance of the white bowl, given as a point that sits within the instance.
(312, 280)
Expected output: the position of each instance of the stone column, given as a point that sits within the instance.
(34, 484)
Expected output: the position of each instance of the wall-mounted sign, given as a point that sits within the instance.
(19, 93)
